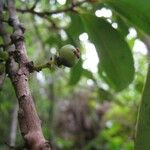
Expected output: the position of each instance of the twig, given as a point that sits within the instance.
(47, 65)
(31, 67)
(3, 20)
(34, 5)
(5, 45)
(48, 13)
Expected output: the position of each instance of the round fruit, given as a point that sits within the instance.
(69, 55)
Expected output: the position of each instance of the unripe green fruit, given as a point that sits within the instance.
(69, 55)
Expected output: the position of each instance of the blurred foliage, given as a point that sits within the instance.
(83, 109)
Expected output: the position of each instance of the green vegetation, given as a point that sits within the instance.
(82, 109)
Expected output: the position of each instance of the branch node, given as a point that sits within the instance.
(17, 36)
(22, 27)
(30, 66)
(10, 21)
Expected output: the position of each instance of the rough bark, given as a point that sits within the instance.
(18, 71)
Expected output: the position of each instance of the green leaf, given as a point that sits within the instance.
(122, 26)
(143, 124)
(88, 74)
(54, 39)
(75, 29)
(104, 95)
(136, 11)
(75, 73)
(114, 53)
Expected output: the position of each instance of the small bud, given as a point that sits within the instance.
(68, 55)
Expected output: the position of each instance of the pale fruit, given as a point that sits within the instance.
(69, 55)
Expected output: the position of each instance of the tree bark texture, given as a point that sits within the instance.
(18, 72)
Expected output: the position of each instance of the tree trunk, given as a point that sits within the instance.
(29, 122)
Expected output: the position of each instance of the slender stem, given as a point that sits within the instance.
(48, 13)
(46, 65)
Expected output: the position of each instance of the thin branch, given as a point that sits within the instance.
(49, 13)
(49, 64)
(34, 5)
(3, 20)
(4, 46)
